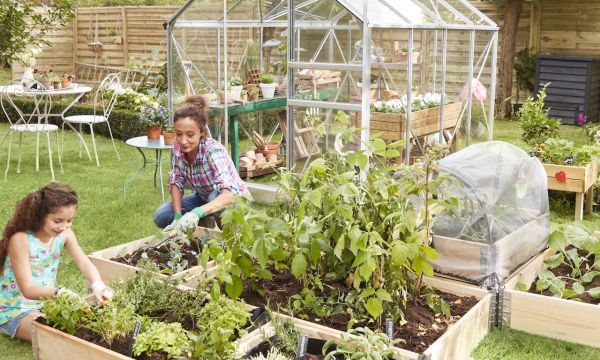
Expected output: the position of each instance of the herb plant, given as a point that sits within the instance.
(168, 338)
(111, 321)
(364, 344)
(534, 121)
(65, 312)
(564, 152)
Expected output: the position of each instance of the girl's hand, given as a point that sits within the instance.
(102, 292)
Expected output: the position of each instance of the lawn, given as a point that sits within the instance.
(106, 218)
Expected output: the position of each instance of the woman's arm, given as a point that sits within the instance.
(221, 201)
(83, 263)
(18, 250)
(176, 197)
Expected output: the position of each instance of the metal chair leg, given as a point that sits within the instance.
(94, 143)
(20, 152)
(8, 158)
(50, 155)
(81, 138)
(113, 140)
(59, 151)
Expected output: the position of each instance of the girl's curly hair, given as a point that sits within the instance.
(194, 108)
(32, 209)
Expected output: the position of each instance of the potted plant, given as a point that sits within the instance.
(168, 133)
(267, 85)
(253, 93)
(235, 87)
(44, 78)
(55, 79)
(244, 95)
(225, 95)
(403, 55)
(206, 94)
(96, 45)
(67, 80)
(154, 116)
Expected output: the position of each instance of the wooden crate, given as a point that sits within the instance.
(549, 316)
(457, 343)
(111, 270)
(470, 260)
(580, 180)
(423, 122)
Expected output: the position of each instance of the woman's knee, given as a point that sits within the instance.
(163, 216)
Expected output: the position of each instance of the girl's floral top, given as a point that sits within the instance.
(211, 170)
(44, 265)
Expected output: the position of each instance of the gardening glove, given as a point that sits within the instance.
(66, 292)
(173, 224)
(189, 221)
(102, 292)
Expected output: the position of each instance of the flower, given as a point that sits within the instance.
(27, 56)
(581, 118)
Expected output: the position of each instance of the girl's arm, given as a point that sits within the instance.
(18, 250)
(83, 263)
(221, 201)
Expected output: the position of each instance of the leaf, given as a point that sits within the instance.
(362, 161)
(422, 266)
(374, 307)
(594, 292)
(430, 252)
(298, 265)
(278, 225)
(234, 290)
(521, 286)
(384, 295)
(378, 147)
(215, 291)
(339, 246)
(589, 276)
(260, 251)
(366, 293)
(314, 196)
(315, 250)
(578, 288)
(557, 240)
(554, 260)
(367, 268)
(391, 153)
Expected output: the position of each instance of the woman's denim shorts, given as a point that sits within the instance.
(10, 327)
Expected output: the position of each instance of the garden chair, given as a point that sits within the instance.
(104, 101)
(35, 122)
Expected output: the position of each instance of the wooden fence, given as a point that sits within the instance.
(135, 35)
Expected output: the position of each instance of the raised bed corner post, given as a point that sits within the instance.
(497, 301)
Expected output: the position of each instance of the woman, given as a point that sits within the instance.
(203, 162)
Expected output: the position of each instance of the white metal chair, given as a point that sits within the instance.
(35, 122)
(104, 102)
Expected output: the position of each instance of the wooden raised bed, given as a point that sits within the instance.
(458, 342)
(111, 270)
(423, 122)
(579, 179)
(469, 260)
(549, 316)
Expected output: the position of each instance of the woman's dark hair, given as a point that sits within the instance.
(32, 209)
(194, 108)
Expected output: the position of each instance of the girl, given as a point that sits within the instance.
(203, 162)
(29, 254)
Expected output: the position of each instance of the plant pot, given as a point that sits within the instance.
(56, 85)
(153, 132)
(403, 58)
(223, 94)
(254, 97)
(271, 148)
(235, 92)
(65, 83)
(169, 138)
(268, 90)
(45, 83)
(244, 98)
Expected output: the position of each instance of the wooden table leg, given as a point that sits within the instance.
(589, 200)
(579, 206)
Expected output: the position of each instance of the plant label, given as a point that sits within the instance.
(136, 331)
(301, 351)
(389, 328)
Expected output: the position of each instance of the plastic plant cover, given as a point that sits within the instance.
(503, 218)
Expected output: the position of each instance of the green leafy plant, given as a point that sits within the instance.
(534, 121)
(273, 354)
(266, 79)
(364, 344)
(161, 337)
(576, 250)
(64, 312)
(235, 81)
(524, 71)
(564, 152)
(111, 321)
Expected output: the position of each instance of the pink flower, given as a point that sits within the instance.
(581, 118)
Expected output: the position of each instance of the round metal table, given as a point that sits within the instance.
(140, 143)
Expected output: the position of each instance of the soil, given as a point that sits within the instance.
(160, 255)
(421, 330)
(564, 270)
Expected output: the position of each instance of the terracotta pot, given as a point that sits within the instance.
(153, 132)
(254, 97)
(56, 85)
(45, 83)
(222, 95)
(65, 83)
(169, 137)
(271, 148)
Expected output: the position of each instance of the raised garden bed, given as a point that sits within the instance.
(119, 262)
(577, 179)
(451, 341)
(470, 261)
(546, 315)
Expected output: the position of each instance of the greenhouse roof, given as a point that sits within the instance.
(423, 14)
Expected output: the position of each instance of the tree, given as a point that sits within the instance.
(25, 23)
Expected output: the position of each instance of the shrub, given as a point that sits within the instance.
(534, 121)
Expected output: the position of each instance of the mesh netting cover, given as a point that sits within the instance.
(503, 218)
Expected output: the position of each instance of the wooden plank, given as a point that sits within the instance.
(125, 36)
(528, 273)
(52, 344)
(553, 317)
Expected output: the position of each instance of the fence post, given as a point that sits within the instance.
(125, 37)
(535, 28)
(75, 25)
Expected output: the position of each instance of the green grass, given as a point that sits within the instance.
(106, 218)
(5, 75)
(513, 345)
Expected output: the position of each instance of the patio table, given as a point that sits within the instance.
(140, 143)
